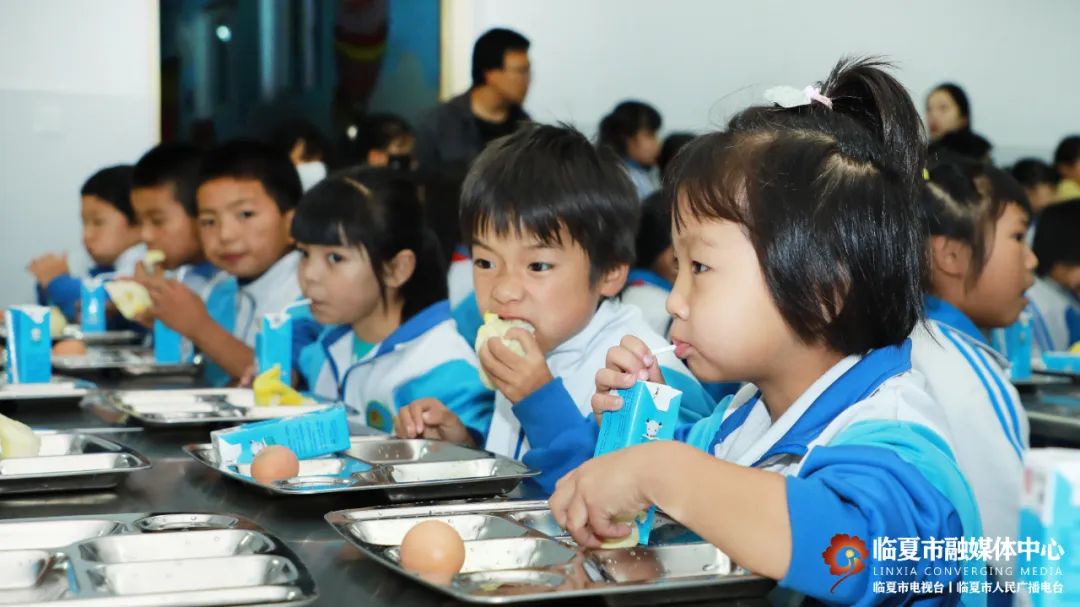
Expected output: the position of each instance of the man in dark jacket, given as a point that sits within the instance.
(456, 131)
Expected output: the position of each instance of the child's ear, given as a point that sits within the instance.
(287, 219)
(378, 158)
(951, 257)
(613, 281)
(399, 270)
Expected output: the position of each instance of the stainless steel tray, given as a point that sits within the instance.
(60, 388)
(122, 560)
(69, 461)
(390, 470)
(515, 552)
(93, 339)
(136, 362)
(195, 407)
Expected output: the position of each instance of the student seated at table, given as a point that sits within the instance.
(111, 237)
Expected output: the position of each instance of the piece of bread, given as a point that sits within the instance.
(130, 298)
(152, 259)
(17, 439)
(497, 327)
(630, 540)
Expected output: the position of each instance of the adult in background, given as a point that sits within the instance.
(455, 131)
(948, 118)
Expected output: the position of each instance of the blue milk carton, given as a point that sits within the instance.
(273, 344)
(29, 345)
(309, 435)
(92, 306)
(1018, 347)
(167, 345)
(649, 412)
(1048, 547)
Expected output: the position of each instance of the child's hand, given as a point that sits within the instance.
(627, 363)
(588, 500)
(47, 267)
(177, 306)
(514, 375)
(429, 418)
(247, 377)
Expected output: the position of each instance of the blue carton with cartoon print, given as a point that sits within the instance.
(273, 343)
(650, 412)
(309, 435)
(29, 345)
(92, 306)
(1050, 529)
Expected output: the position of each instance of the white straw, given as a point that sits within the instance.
(295, 304)
(663, 350)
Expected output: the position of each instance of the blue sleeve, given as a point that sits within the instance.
(467, 318)
(64, 292)
(700, 434)
(696, 402)
(560, 437)
(865, 493)
(1072, 321)
(457, 385)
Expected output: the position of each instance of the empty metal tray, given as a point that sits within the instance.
(122, 560)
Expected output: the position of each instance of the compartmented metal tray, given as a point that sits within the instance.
(121, 560)
(136, 362)
(516, 552)
(69, 461)
(104, 338)
(60, 388)
(389, 469)
(196, 407)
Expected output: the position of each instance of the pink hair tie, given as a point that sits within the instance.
(813, 93)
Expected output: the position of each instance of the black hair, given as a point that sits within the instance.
(171, 164)
(827, 198)
(542, 178)
(286, 136)
(624, 122)
(378, 210)
(963, 200)
(377, 132)
(256, 161)
(1032, 172)
(441, 197)
(1068, 151)
(654, 230)
(489, 52)
(671, 146)
(112, 185)
(963, 142)
(1055, 236)
(959, 97)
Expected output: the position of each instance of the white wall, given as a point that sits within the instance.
(79, 90)
(699, 61)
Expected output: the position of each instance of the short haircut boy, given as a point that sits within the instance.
(112, 185)
(1057, 237)
(542, 178)
(171, 164)
(248, 160)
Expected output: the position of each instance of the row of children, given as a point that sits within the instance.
(871, 404)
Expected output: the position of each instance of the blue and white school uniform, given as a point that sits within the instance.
(463, 303)
(239, 306)
(1055, 315)
(866, 453)
(545, 429)
(987, 422)
(648, 291)
(645, 180)
(424, 357)
(65, 291)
